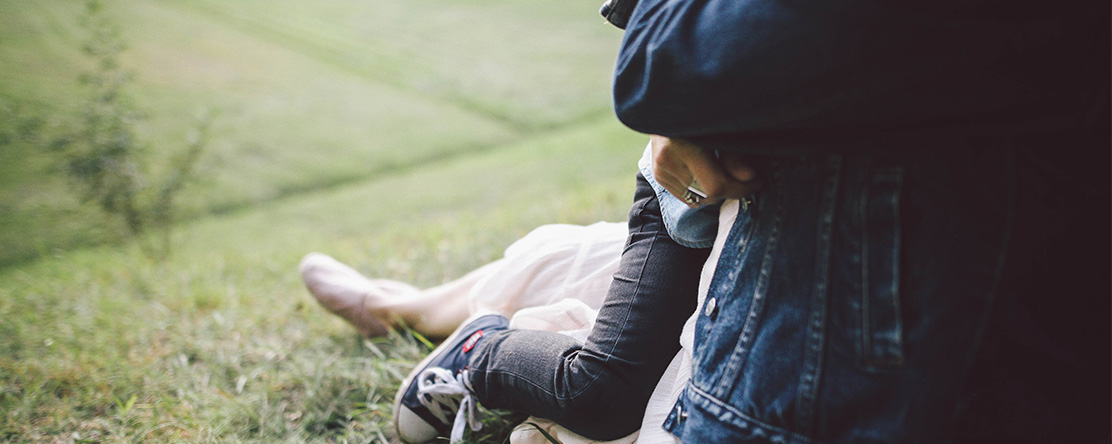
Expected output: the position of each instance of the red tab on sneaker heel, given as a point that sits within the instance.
(470, 343)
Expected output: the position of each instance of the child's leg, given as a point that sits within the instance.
(599, 389)
(437, 311)
(374, 305)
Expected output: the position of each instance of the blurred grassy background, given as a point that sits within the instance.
(412, 139)
(306, 96)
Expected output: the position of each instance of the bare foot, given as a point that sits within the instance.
(350, 295)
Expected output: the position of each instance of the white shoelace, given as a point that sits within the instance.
(442, 393)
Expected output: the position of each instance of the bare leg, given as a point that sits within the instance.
(374, 306)
(437, 311)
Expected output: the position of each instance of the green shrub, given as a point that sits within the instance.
(104, 159)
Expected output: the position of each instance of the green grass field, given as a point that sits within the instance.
(414, 140)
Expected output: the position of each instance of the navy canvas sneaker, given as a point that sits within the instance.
(435, 398)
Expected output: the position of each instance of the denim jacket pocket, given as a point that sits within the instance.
(881, 324)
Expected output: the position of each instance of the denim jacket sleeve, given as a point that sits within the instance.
(798, 70)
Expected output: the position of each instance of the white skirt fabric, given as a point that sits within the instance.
(555, 279)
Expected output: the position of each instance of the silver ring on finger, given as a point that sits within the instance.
(694, 194)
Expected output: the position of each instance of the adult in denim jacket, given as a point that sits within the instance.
(928, 258)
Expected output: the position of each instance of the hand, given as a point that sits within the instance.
(678, 163)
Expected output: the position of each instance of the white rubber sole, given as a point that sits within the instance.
(417, 430)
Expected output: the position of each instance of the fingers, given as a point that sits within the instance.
(744, 172)
(669, 164)
(714, 180)
(738, 166)
(678, 164)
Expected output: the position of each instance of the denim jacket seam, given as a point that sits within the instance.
(868, 343)
(699, 396)
(816, 324)
(865, 341)
(756, 307)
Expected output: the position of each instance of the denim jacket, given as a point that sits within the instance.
(849, 303)
(771, 76)
(813, 331)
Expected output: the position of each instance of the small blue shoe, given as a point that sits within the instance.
(435, 398)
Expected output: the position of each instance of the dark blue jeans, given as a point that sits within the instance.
(599, 389)
(941, 291)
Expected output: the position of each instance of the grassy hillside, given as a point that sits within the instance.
(414, 140)
(305, 96)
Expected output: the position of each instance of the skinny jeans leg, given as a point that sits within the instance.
(599, 389)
